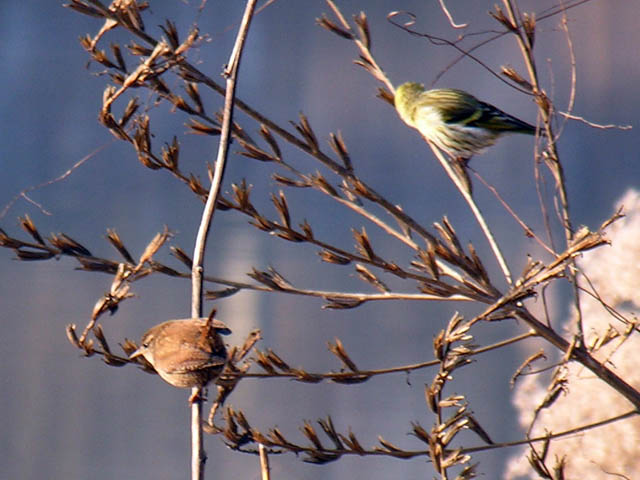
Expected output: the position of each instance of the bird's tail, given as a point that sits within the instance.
(497, 120)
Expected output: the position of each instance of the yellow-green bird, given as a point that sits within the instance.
(454, 120)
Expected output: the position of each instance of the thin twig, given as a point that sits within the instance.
(340, 377)
(197, 454)
(550, 436)
(24, 193)
(364, 49)
(527, 230)
(572, 56)
(450, 18)
(318, 450)
(455, 178)
(605, 126)
(552, 156)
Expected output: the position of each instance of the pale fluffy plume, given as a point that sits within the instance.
(605, 452)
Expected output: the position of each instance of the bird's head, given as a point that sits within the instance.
(405, 100)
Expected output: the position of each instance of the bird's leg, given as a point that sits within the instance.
(196, 397)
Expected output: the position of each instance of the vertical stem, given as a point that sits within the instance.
(264, 463)
(198, 456)
(553, 158)
(476, 212)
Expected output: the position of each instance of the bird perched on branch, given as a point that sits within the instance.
(187, 352)
(454, 120)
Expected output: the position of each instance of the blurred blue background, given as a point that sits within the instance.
(68, 417)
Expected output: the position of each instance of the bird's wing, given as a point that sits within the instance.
(454, 106)
(460, 107)
(495, 119)
(189, 357)
(186, 366)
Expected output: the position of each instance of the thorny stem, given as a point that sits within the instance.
(197, 453)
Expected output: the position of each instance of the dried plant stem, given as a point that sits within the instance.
(225, 135)
(264, 463)
(198, 457)
(579, 353)
(375, 69)
(197, 453)
(528, 231)
(550, 436)
(350, 446)
(442, 270)
(359, 209)
(345, 376)
(553, 159)
(474, 209)
(289, 137)
(450, 17)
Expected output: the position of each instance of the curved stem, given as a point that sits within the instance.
(197, 452)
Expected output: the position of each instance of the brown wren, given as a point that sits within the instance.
(187, 352)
